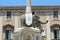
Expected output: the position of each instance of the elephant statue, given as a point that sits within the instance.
(35, 22)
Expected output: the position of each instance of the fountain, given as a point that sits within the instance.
(28, 31)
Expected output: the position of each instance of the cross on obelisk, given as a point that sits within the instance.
(28, 12)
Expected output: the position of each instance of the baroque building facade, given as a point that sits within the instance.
(10, 20)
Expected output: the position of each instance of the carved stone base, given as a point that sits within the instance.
(27, 33)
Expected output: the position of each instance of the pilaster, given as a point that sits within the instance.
(1, 26)
(16, 20)
(48, 26)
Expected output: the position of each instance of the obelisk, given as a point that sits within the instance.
(28, 12)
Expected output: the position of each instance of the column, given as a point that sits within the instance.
(1, 26)
(48, 26)
(16, 21)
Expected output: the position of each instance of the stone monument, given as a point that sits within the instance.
(27, 32)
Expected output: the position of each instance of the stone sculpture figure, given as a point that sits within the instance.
(34, 19)
(35, 22)
(28, 31)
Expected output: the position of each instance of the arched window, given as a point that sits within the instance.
(56, 31)
(8, 29)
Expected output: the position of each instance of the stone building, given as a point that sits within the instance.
(10, 20)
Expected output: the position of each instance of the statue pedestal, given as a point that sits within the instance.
(27, 33)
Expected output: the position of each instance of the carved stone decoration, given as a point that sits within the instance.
(8, 26)
(55, 26)
(27, 34)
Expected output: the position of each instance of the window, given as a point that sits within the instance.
(56, 34)
(55, 14)
(8, 34)
(8, 14)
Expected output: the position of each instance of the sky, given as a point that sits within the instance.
(33, 2)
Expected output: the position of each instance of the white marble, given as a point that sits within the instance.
(27, 33)
(28, 13)
(28, 6)
(18, 29)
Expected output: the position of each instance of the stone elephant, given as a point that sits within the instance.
(35, 22)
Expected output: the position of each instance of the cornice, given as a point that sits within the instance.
(33, 7)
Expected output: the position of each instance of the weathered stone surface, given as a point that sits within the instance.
(27, 33)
